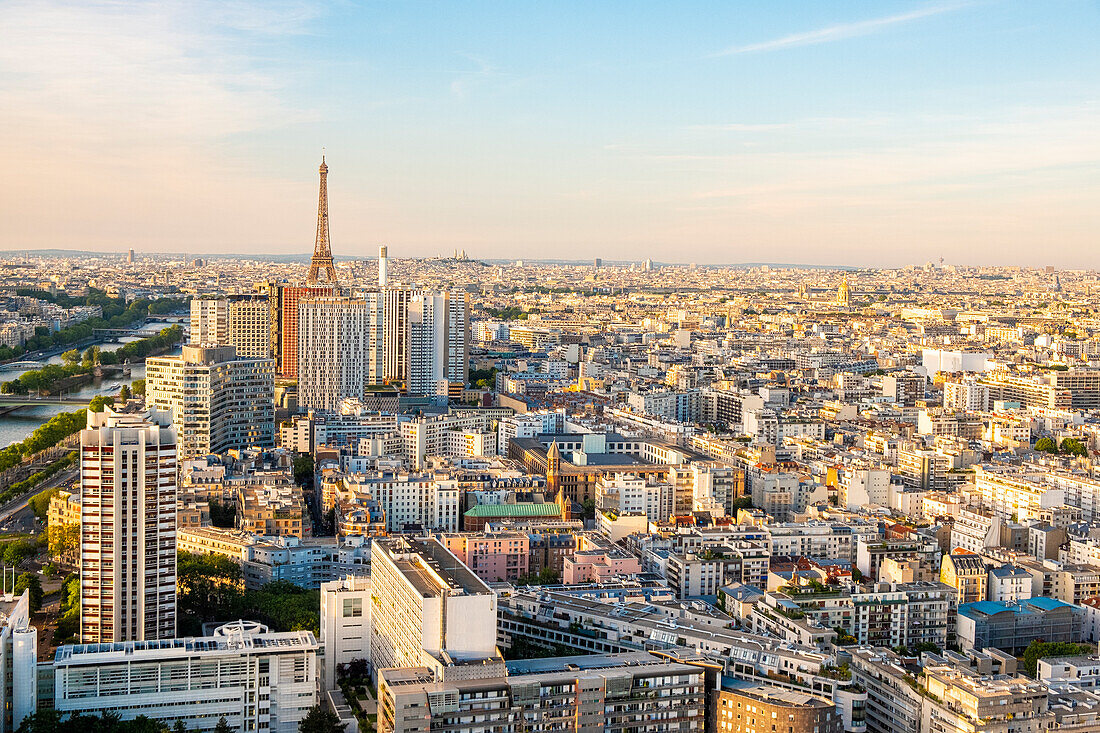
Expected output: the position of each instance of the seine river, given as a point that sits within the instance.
(16, 426)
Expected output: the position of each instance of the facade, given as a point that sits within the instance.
(218, 401)
(967, 574)
(439, 343)
(345, 625)
(18, 664)
(284, 322)
(127, 527)
(254, 678)
(748, 708)
(427, 605)
(1012, 626)
(628, 693)
(339, 349)
(242, 322)
(493, 556)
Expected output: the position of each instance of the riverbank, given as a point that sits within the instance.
(54, 378)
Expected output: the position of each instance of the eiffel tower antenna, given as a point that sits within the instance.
(321, 268)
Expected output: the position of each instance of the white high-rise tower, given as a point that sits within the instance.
(127, 527)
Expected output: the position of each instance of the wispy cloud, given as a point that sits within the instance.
(840, 31)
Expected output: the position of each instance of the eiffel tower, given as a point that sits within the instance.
(321, 268)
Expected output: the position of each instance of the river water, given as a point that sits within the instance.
(17, 425)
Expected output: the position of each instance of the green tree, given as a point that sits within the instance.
(18, 551)
(303, 469)
(1037, 650)
(91, 355)
(138, 387)
(320, 720)
(1046, 445)
(99, 402)
(1073, 447)
(64, 540)
(40, 502)
(124, 393)
(71, 357)
(30, 582)
(179, 727)
(222, 726)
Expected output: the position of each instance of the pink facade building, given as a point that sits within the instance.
(594, 566)
(492, 556)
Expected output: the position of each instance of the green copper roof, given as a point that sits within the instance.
(514, 510)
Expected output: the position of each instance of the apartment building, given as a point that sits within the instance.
(625, 693)
(438, 343)
(495, 556)
(272, 511)
(243, 322)
(127, 527)
(345, 625)
(747, 708)
(339, 349)
(218, 400)
(429, 606)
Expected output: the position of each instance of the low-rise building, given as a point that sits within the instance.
(255, 678)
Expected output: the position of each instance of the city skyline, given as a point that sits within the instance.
(881, 134)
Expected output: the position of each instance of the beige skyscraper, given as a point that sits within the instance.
(128, 527)
(339, 349)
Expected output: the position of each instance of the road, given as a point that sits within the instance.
(10, 512)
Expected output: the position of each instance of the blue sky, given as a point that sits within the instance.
(860, 133)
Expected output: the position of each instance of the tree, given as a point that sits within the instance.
(179, 727)
(1037, 650)
(303, 469)
(320, 720)
(1073, 447)
(222, 726)
(222, 515)
(40, 502)
(71, 357)
(124, 392)
(91, 355)
(1046, 445)
(64, 540)
(99, 402)
(18, 551)
(138, 387)
(30, 582)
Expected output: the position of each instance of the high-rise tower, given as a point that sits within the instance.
(321, 269)
(127, 527)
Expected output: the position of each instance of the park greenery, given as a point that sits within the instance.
(509, 313)
(47, 377)
(320, 720)
(211, 588)
(30, 582)
(484, 378)
(16, 551)
(116, 314)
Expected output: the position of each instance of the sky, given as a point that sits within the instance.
(843, 133)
